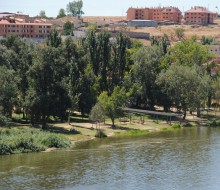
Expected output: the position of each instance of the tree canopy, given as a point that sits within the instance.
(61, 13)
(75, 8)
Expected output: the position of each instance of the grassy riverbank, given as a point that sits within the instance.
(23, 140)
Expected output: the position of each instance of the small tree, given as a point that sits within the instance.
(54, 39)
(61, 13)
(68, 27)
(97, 113)
(113, 104)
(179, 33)
(75, 8)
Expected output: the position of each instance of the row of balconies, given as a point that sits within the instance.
(27, 31)
(24, 26)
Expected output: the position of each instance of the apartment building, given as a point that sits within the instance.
(159, 14)
(20, 25)
(199, 15)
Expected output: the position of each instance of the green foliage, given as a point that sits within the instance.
(137, 132)
(61, 13)
(97, 113)
(4, 121)
(54, 39)
(29, 140)
(187, 86)
(47, 95)
(215, 123)
(179, 33)
(68, 28)
(188, 53)
(42, 14)
(75, 8)
(113, 104)
(8, 91)
(176, 126)
(216, 89)
(100, 134)
(162, 42)
(208, 40)
(144, 72)
(57, 141)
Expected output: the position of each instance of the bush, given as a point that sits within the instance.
(215, 123)
(4, 148)
(100, 134)
(29, 140)
(176, 126)
(4, 121)
(56, 141)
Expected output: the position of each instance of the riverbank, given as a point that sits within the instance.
(22, 139)
(25, 139)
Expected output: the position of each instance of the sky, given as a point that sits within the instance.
(99, 7)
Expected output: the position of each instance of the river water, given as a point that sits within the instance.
(186, 159)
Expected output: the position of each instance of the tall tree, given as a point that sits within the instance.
(45, 79)
(104, 50)
(8, 90)
(118, 65)
(61, 13)
(75, 8)
(144, 72)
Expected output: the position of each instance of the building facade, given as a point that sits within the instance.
(19, 25)
(199, 15)
(159, 14)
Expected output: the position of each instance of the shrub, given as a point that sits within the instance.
(56, 141)
(29, 140)
(100, 134)
(4, 121)
(4, 148)
(188, 125)
(215, 123)
(176, 126)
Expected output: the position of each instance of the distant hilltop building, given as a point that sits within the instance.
(22, 25)
(196, 15)
(199, 15)
(159, 14)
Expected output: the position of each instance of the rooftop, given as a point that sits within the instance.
(198, 9)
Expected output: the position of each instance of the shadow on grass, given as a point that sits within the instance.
(62, 130)
(122, 127)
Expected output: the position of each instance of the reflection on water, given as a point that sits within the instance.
(187, 159)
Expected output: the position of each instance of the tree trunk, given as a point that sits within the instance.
(44, 124)
(198, 112)
(184, 114)
(23, 113)
(113, 122)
